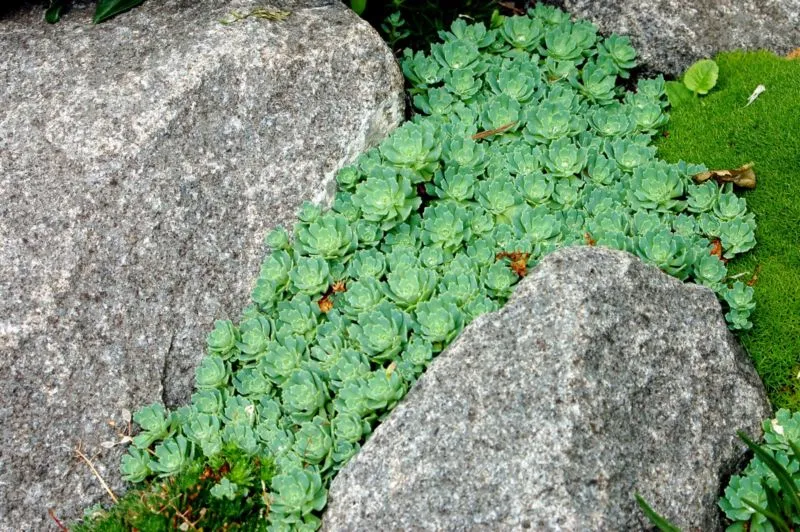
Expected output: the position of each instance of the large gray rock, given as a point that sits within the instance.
(672, 34)
(601, 377)
(142, 161)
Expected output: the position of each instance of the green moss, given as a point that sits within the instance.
(720, 132)
(175, 502)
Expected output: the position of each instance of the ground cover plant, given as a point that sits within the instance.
(525, 141)
(721, 130)
(416, 23)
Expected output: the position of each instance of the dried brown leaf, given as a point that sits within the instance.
(325, 305)
(794, 54)
(716, 249)
(511, 7)
(754, 279)
(518, 259)
(741, 177)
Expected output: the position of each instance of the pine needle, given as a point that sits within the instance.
(59, 524)
(91, 466)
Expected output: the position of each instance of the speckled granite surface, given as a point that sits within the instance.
(142, 161)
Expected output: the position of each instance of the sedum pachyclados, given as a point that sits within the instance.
(526, 141)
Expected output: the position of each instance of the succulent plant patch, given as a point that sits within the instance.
(524, 141)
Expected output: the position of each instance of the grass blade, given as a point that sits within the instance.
(108, 8)
(795, 448)
(774, 500)
(787, 484)
(776, 520)
(660, 522)
(53, 13)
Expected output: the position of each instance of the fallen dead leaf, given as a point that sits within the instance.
(794, 54)
(754, 279)
(511, 7)
(741, 177)
(519, 261)
(325, 304)
(716, 249)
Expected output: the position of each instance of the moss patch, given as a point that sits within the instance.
(720, 132)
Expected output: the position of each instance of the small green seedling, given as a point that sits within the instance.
(677, 93)
(393, 29)
(701, 77)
